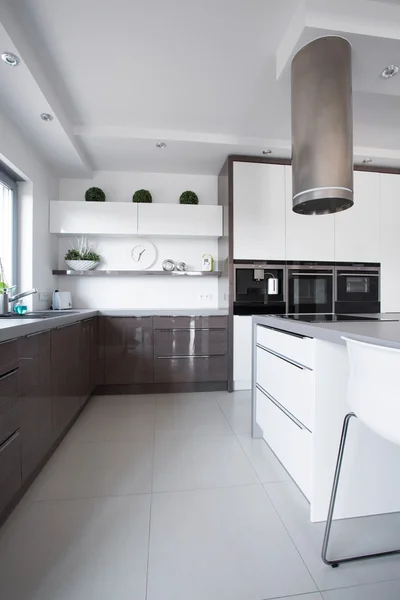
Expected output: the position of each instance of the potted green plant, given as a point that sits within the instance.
(95, 194)
(82, 258)
(142, 196)
(188, 197)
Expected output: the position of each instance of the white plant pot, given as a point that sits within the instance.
(82, 265)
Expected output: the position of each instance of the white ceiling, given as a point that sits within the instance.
(209, 78)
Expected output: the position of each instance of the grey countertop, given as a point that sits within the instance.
(14, 328)
(384, 333)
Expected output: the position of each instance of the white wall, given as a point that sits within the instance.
(37, 248)
(147, 291)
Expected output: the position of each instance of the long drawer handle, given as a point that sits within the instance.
(190, 356)
(310, 274)
(284, 358)
(37, 333)
(283, 409)
(192, 329)
(89, 319)
(6, 342)
(9, 374)
(283, 331)
(68, 325)
(9, 440)
(358, 274)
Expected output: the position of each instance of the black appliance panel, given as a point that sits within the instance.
(311, 290)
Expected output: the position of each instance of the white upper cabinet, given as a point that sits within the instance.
(357, 229)
(258, 211)
(180, 220)
(308, 237)
(93, 218)
(390, 242)
(129, 218)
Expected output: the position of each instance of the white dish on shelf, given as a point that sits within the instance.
(82, 265)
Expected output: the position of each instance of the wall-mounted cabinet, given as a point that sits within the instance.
(307, 237)
(357, 236)
(258, 211)
(128, 218)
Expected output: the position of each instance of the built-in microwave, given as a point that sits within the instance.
(310, 287)
(259, 288)
(357, 288)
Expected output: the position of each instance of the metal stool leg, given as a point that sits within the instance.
(337, 562)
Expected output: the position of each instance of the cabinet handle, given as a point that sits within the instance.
(87, 320)
(9, 374)
(9, 440)
(68, 325)
(288, 360)
(310, 274)
(6, 342)
(292, 333)
(283, 409)
(190, 356)
(192, 329)
(358, 274)
(37, 333)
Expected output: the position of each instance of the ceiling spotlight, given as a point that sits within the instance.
(12, 60)
(161, 145)
(366, 161)
(267, 152)
(390, 71)
(46, 117)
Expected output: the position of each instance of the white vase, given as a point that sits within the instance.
(82, 265)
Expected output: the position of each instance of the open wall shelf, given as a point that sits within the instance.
(104, 273)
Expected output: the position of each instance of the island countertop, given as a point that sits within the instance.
(384, 333)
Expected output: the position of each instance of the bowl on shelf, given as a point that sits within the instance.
(82, 265)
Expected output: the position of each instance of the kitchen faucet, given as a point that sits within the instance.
(8, 299)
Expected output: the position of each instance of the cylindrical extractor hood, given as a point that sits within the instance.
(322, 127)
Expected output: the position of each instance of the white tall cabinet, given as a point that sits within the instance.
(307, 237)
(258, 211)
(357, 235)
(390, 242)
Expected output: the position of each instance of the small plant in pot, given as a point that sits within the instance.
(142, 196)
(95, 194)
(188, 197)
(82, 258)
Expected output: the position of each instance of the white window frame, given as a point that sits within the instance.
(10, 183)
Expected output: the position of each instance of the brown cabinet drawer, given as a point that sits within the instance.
(189, 342)
(10, 470)
(192, 369)
(8, 356)
(9, 410)
(210, 322)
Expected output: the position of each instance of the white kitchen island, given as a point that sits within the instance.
(300, 373)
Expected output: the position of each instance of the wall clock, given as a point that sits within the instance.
(143, 254)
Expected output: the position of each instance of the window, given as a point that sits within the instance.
(8, 228)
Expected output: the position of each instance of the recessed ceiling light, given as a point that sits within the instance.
(46, 117)
(267, 152)
(390, 71)
(161, 145)
(366, 161)
(12, 60)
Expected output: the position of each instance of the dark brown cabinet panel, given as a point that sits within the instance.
(35, 400)
(9, 409)
(189, 342)
(213, 321)
(66, 379)
(192, 369)
(10, 469)
(85, 359)
(128, 350)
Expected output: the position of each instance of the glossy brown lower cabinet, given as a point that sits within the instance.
(128, 354)
(66, 378)
(35, 400)
(10, 469)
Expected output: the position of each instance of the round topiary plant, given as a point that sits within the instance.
(142, 196)
(95, 194)
(188, 197)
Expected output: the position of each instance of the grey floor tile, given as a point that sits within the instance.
(76, 550)
(314, 596)
(183, 415)
(92, 469)
(96, 426)
(124, 405)
(389, 590)
(183, 462)
(237, 409)
(264, 461)
(224, 543)
(349, 537)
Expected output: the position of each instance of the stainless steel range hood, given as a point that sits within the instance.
(322, 127)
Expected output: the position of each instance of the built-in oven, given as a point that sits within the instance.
(259, 288)
(357, 288)
(310, 287)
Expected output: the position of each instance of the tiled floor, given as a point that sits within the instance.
(169, 498)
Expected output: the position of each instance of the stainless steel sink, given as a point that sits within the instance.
(45, 314)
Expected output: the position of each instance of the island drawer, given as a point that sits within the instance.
(298, 348)
(291, 443)
(291, 385)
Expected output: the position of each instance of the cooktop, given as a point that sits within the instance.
(320, 318)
